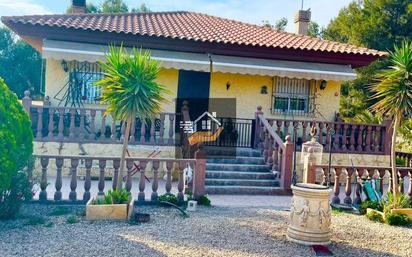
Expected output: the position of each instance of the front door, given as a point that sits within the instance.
(193, 86)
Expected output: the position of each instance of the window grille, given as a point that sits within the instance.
(82, 77)
(291, 96)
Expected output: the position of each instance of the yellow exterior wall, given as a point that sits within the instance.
(245, 88)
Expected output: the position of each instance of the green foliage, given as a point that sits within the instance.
(405, 134)
(400, 162)
(143, 8)
(396, 219)
(314, 30)
(60, 211)
(370, 204)
(375, 216)
(16, 147)
(170, 198)
(399, 202)
(368, 117)
(36, 220)
(118, 196)
(281, 24)
(72, 219)
(204, 200)
(20, 64)
(114, 6)
(379, 23)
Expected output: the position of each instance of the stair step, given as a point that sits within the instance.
(235, 160)
(242, 182)
(249, 190)
(229, 151)
(216, 174)
(237, 167)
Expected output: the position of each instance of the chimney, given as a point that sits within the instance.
(78, 6)
(302, 19)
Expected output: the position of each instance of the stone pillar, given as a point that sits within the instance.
(199, 173)
(287, 164)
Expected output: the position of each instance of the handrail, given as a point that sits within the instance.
(54, 156)
(270, 130)
(366, 167)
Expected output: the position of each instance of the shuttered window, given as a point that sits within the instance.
(291, 96)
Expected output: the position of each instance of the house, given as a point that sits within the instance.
(295, 79)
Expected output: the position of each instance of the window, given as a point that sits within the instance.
(82, 78)
(291, 96)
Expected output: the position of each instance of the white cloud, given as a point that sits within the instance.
(21, 7)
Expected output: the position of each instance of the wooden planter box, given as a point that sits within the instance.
(109, 211)
(407, 211)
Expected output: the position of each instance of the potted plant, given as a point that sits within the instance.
(114, 205)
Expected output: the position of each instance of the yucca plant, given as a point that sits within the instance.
(393, 92)
(130, 89)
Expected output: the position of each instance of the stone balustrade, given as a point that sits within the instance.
(148, 167)
(347, 138)
(278, 155)
(351, 178)
(92, 125)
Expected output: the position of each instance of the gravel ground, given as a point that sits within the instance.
(215, 231)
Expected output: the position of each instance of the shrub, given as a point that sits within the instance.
(16, 147)
(400, 202)
(204, 200)
(170, 198)
(375, 216)
(72, 219)
(119, 196)
(397, 219)
(370, 204)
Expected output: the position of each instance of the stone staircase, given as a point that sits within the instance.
(244, 174)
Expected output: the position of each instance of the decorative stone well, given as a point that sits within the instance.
(310, 215)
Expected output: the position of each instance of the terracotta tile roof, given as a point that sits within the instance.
(190, 26)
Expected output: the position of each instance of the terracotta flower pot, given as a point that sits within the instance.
(310, 215)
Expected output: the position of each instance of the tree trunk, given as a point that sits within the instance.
(393, 156)
(122, 160)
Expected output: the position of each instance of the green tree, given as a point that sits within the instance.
(314, 30)
(393, 91)
(143, 8)
(16, 147)
(114, 6)
(281, 24)
(130, 90)
(20, 64)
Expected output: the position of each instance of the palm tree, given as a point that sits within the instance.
(393, 91)
(129, 88)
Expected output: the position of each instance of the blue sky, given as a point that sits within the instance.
(252, 11)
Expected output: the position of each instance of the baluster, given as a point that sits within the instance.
(122, 130)
(321, 126)
(171, 128)
(39, 134)
(360, 138)
(180, 183)
(61, 123)
(275, 157)
(72, 124)
(401, 180)
(358, 190)
(169, 166)
(278, 127)
(381, 173)
(142, 131)
(368, 139)
(352, 137)
(116, 165)
(328, 129)
(155, 184)
(152, 131)
(286, 123)
(103, 126)
(344, 136)
(129, 166)
(113, 129)
(377, 139)
(410, 184)
(324, 177)
(336, 137)
(102, 167)
(266, 145)
(51, 124)
(162, 128)
(44, 162)
(73, 182)
(262, 139)
(304, 133)
(390, 185)
(82, 129)
(142, 182)
(132, 132)
(348, 187)
(92, 135)
(336, 186)
(87, 181)
(58, 184)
